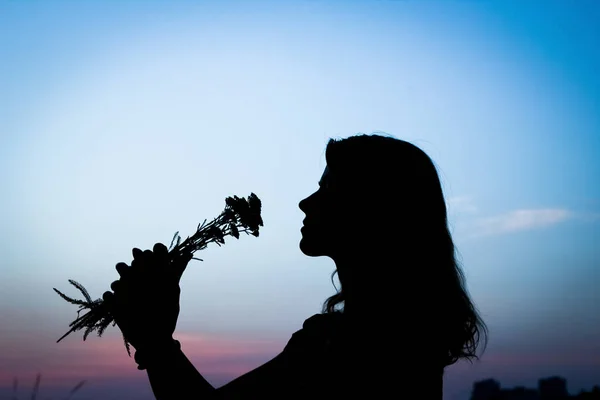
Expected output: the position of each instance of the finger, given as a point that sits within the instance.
(108, 296)
(137, 253)
(149, 261)
(137, 258)
(116, 286)
(161, 254)
(123, 269)
(109, 300)
(160, 248)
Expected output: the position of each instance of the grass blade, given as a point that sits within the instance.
(36, 386)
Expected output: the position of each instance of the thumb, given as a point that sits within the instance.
(111, 306)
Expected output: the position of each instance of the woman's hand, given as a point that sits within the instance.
(145, 302)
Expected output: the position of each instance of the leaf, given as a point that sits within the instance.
(66, 334)
(82, 290)
(173, 240)
(234, 231)
(15, 387)
(75, 389)
(70, 300)
(228, 215)
(88, 330)
(103, 324)
(96, 303)
(254, 203)
(88, 319)
(127, 346)
(36, 386)
(83, 320)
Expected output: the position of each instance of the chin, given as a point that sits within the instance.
(311, 249)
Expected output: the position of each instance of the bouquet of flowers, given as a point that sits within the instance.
(240, 216)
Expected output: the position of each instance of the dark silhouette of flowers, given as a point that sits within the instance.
(239, 216)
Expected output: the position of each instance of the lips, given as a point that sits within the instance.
(307, 224)
(306, 227)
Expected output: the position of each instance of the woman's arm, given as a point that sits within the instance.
(173, 376)
(288, 375)
(145, 305)
(295, 373)
(273, 379)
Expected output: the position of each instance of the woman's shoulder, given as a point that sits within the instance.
(317, 333)
(326, 321)
(328, 345)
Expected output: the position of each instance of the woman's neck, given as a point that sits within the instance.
(361, 277)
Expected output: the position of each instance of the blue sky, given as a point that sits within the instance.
(123, 122)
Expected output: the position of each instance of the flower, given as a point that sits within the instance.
(239, 215)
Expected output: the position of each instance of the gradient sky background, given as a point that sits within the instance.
(123, 122)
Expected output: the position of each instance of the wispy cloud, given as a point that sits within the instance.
(521, 220)
(462, 204)
(588, 216)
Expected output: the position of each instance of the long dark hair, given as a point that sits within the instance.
(398, 178)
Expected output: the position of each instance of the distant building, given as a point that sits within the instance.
(519, 393)
(593, 395)
(488, 389)
(552, 388)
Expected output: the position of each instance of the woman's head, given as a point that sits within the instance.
(373, 190)
(380, 214)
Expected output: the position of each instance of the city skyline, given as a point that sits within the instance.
(549, 388)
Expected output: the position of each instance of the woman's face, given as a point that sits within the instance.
(320, 229)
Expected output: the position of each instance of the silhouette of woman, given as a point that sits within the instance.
(402, 313)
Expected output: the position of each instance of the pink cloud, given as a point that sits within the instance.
(106, 358)
(231, 356)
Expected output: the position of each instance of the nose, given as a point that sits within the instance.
(304, 204)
